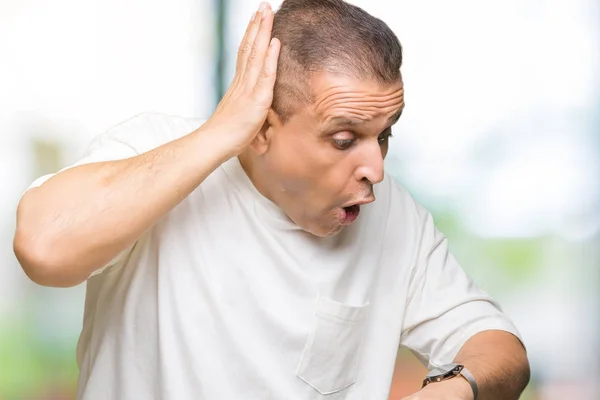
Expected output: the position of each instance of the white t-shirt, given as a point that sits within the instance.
(225, 298)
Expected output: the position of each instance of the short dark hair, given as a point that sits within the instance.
(329, 36)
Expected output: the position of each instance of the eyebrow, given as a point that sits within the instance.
(345, 121)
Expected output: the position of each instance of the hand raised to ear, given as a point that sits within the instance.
(244, 108)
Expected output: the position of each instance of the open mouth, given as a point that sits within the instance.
(350, 214)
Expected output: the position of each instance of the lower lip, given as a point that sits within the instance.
(349, 214)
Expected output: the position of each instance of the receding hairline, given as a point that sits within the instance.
(330, 36)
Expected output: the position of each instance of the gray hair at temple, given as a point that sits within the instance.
(329, 36)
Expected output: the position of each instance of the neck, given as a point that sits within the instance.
(250, 165)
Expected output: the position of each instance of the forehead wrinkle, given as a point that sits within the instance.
(370, 106)
(354, 88)
(361, 112)
(349, 116)
(335, 90)
(364, 113)
(371, 103)
(325, 101)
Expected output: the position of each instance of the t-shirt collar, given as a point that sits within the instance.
(265, 209)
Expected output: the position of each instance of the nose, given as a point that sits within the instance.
(370, 165)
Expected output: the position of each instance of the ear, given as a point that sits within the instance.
(260, 143)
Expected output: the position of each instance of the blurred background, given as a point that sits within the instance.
(500, 139)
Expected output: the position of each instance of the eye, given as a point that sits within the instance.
(344, 140)
(344, 144)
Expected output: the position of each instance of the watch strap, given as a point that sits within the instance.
(450, 371)
(471, 379)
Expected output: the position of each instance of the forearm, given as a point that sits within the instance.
(81, 218)
(499, 364)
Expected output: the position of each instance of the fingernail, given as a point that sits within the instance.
(253, 17)
(262, 7)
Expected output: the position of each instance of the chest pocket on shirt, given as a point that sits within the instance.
(332, 353)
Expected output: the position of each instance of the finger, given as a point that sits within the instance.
(263, 91)
(248, 42)
(256, 59)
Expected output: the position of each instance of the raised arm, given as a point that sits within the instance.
(84, 217)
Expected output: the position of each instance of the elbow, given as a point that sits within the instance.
(525, 370)
(517, 371)
(40, 262)
(39, 254)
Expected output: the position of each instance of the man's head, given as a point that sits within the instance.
(337, 94)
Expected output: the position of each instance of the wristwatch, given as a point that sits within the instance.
(449, 371)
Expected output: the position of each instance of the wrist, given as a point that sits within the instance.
(457, 387)
(465, 387)
(228, 136)
(218, 139)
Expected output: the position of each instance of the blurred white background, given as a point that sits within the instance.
(500, 139)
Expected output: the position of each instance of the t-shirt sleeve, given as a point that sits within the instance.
(445, 308)
(118, 143)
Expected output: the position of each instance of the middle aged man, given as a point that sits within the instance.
(241, 257)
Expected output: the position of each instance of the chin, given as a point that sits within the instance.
(323, 232)
(320, 227)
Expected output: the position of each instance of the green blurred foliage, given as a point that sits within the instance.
(30, 369)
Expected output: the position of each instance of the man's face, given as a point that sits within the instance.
(322, 163)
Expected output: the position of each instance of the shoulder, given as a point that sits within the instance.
(396, 218)
(396, 202)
